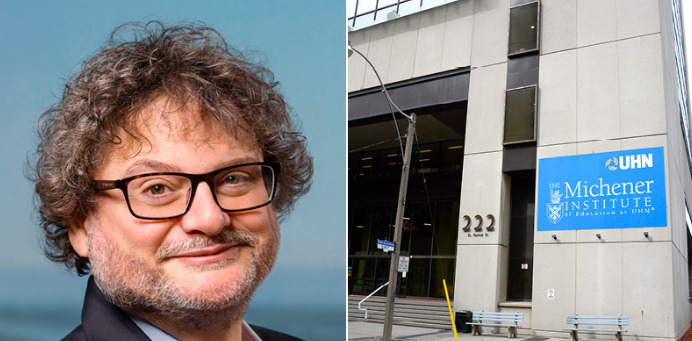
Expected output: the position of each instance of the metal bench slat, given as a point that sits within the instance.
(597, 330)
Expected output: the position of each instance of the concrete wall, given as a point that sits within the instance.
(678, 173)
(462, 33)
(603, 87)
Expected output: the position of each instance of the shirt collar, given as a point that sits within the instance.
(156, 334)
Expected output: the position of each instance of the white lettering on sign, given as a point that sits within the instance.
(636, 161)
(585, 190)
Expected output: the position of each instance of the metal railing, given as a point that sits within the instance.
(372, 293)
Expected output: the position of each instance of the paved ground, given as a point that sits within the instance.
(369, 331)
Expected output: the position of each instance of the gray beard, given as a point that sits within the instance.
(148, 293)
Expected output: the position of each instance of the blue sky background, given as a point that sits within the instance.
(303, 42)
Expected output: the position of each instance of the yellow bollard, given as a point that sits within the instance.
(451, 316)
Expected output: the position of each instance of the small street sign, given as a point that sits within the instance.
(386, 246)
(403, 264)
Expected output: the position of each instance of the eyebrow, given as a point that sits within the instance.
(145, 165)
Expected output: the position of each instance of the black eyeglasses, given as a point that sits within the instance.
(168, 195)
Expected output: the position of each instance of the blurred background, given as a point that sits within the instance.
(302, 42)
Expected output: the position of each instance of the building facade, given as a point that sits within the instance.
(552, 160)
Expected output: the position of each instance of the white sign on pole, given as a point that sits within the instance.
(403, 264)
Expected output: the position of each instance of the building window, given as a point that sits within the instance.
(520, 267)
(364, 13)
(431, 243)
(520, 115)
(523, 29)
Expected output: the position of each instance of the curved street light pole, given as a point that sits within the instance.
(401, 206)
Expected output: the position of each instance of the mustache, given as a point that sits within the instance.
(226, 237)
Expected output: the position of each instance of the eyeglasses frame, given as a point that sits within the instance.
(195, 179)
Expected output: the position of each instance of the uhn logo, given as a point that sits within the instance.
(630, 162)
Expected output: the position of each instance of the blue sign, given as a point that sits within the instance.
(620, 189)
(385, 245)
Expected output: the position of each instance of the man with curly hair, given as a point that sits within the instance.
(164, 171)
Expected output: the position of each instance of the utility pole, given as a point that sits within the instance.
(403, 187)
(398, 227)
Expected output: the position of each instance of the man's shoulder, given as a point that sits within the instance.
(272, 335)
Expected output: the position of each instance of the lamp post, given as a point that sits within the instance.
(401, 206)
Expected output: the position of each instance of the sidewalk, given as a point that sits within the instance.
(370, 331)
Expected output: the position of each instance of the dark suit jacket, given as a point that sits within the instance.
(103, 321)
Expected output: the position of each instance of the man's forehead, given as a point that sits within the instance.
(168, 119)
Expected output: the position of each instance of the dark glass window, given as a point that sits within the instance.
(406, 231)
(359, 227)
(390, 164)
(442, 269)
(426, 158)
(520, 270)
(362, 276)
(417, 277)
(353, 160)
(421, 229)
(452, 156)
(381, 275)
(382, 227)
(523, 29)
(520, 115)
(446, 221)
(367, 166)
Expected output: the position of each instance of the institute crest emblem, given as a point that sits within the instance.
(554, 209)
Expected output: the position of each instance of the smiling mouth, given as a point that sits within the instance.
(208, 255)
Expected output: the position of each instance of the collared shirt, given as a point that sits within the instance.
(156, 334)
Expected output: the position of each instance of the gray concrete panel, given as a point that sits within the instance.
(483, 193)
(554, 268)
(648, 288)
(458, 35)
(558, 25)
(490, 32)
(599, 279)
(477, 277)
(637, 17)
(642, 107)
(557, 105)
(430, 41)
(486, 109)
(596, 22)
(357, 66)
(597, 89)
(379, 52)
(403, 52)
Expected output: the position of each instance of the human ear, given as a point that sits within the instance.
(77, 234)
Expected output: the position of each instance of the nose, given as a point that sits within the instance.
(204, 215)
